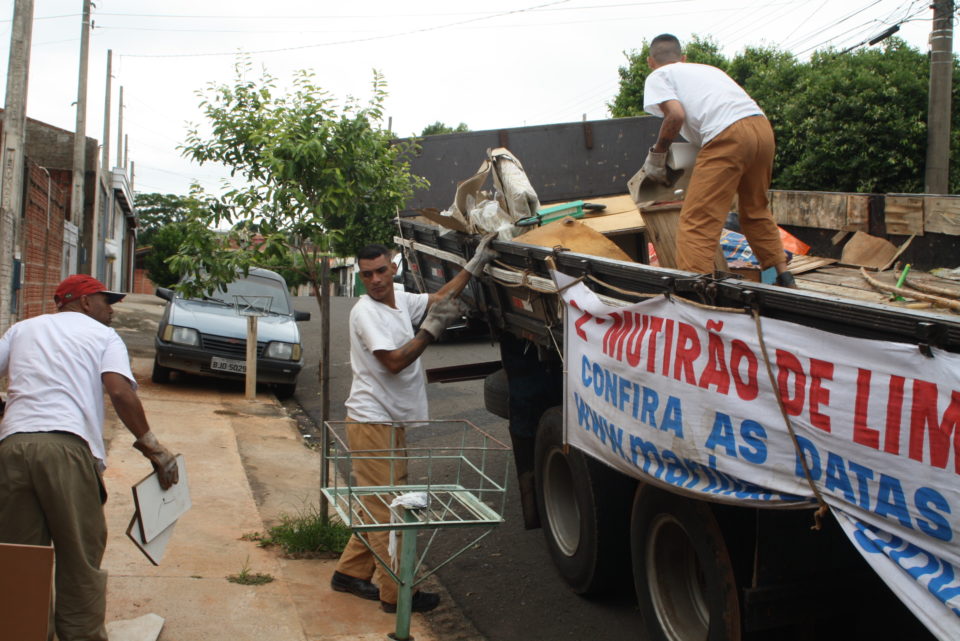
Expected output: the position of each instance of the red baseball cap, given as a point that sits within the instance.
(73, 287)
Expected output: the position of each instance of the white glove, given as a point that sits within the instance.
(441, 314)
(482, 256)
(655, 166)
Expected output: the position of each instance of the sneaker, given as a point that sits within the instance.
(422, 602)
(358, 587)
(786, 279)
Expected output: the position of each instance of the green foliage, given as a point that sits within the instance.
(440, 128)
(317, 179)
(166, 242)
(246, 577)
(154, 211)
(305, 535)
(844, 122)
(629, 101)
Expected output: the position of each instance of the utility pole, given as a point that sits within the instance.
(14, 135)
(939, 106)
(87, 236)
(105, 159)
(120, 129)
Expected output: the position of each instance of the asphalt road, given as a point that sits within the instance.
(505, 585)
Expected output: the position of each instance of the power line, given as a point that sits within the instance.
(358, 40)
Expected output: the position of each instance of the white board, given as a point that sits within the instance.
(158, 508)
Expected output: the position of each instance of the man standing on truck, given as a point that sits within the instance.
(388, 388)
(736, 157)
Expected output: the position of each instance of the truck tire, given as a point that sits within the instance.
(685, 582)
(160, 373)
(496, 394)
(584, 508)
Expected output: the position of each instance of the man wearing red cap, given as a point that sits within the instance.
(51, 443)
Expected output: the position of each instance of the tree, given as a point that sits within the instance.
(165, 242)
(318, 179)
(440, 128)
(154, 211)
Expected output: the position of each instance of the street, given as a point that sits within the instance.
(506, 585)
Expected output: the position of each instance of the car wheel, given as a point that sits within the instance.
(160, 373)
(285, 390)
(686, 586)
(584, 511)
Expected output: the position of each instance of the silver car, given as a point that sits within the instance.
(208, 336)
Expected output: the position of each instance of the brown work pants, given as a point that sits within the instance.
(738, 161)
(50, 490)
(357, 560)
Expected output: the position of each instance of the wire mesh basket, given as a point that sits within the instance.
(461, 469)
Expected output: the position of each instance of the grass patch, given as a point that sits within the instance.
(305, 536)
(246, 577)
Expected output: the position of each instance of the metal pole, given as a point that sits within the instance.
(408, 563)
(251, 381)
(939, 107)
(120, 129)
(80, 148)
(324, 383)
(14, 133)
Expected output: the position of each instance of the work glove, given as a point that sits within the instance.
(655, 166)
(164, 464)
(441, 314)
(482, 256)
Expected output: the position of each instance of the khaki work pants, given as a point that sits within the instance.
(739, 161)
(50, 490)
(357, 560)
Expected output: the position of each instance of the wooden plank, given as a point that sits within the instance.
(903, 215)
(942, 215)
(858, 212)
(802, 264)
(661, 225)
(616, 223)
(809, 209)
(867, 251)
(26, 584)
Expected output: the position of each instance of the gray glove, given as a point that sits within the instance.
(163, 461)
(655, 166)
(441, 314)
(482, 256)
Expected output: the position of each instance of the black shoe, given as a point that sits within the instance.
(357, 587)
(422, 602)
(785, 279)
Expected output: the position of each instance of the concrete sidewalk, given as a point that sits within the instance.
(247, 464)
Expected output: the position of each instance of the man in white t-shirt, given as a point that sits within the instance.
(389, 387)
(52, 455)
(712, 111)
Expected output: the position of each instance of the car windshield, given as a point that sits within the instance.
(264, 293)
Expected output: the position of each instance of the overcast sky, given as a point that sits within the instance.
(503, 63)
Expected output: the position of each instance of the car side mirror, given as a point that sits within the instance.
(164, 292)
(301, 316)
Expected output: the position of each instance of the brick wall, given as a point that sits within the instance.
(142, 284)
(45, 208)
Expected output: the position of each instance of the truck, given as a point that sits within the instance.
(757, 452)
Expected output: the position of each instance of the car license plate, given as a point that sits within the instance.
(228, 365)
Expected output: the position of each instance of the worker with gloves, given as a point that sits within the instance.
(389, 387)
(52, 453)
(736, 153)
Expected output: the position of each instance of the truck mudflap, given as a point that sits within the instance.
(724, 405)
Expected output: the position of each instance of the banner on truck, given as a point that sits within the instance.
(697, 399)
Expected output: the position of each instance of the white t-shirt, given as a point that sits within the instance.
(711, 99)
(376, 395)
(53, 365)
